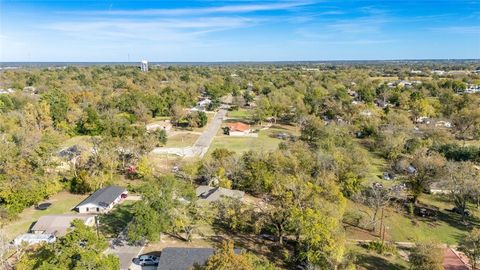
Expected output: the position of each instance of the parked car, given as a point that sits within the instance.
(43, 206)
(146, 260)
(459, 211)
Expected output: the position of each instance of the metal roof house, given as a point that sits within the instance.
(184, 258)
(102, 200)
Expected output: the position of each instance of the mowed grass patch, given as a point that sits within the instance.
(114, 222)
(243, 144)
(62, 203)
(446, 228)
(241, 113)
(182, 140)
(368, 260)
(84, 142)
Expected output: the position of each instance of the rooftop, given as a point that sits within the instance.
(238, 126)
(184, 258)
(104, 196)
(57, 224)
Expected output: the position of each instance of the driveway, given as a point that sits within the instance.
(126, 254)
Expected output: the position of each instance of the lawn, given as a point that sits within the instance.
(82, 141)
(163, 163)
(368, 260)
(183, 139)
(62, 203)
(243, 144)
(446, 228)
(242, 114)
(112, 223)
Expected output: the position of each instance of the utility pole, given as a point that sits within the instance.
(96, 226)
(382, 229)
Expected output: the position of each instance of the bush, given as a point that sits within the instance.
(383, 249)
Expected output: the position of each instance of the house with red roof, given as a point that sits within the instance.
(238, 129)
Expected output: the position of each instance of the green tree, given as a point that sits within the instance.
(470, 245)
(225, 258)
(426, 256)
(427, 165)
(90, 122)
(460, 179)
(80, 249)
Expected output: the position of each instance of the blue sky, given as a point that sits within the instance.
(245, 30)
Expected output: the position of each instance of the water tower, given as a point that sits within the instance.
(144, 65)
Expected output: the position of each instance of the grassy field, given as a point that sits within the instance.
(62, 203)
(83, 141)
(243, 144)
(368, 260)
(242, 114)
(115, 221)
(182, 140)
(446, 228)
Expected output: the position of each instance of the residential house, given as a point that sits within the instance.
(213, 194)
(32, 239)
(445, 124)
(6, 91)
(165, 125)
(471, 89)
(102, 200)
(58, 225)
(184, 258)
(238, 129)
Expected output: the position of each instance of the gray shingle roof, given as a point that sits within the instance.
(184, 258)
(103, 197)
(57, 224)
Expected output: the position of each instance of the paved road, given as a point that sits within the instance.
(203, 142)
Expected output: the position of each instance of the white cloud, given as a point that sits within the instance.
(158, 30)
(464, 29)
(246, 8)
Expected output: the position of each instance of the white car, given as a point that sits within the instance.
(146, 260)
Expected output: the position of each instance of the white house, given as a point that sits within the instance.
(32, 239)
(102, 200)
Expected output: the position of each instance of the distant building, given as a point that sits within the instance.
(6, 91)
(102, 200)
(472, 88)
(144, 65)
